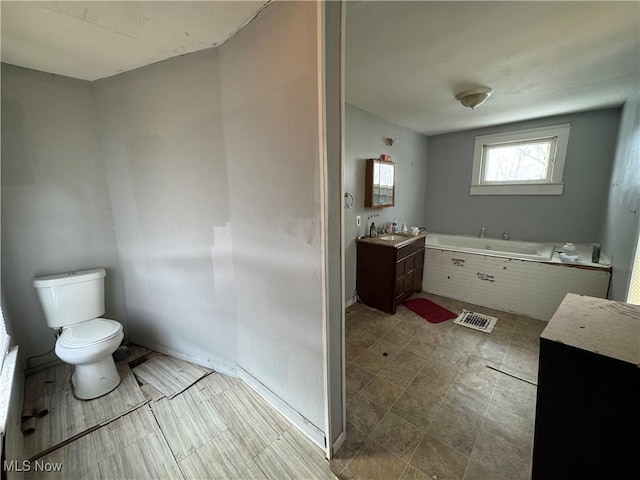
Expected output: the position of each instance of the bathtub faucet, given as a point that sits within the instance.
(481, 234)
(505, 235)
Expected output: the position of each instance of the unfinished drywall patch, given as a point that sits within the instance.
(270, 98)
(162, 143)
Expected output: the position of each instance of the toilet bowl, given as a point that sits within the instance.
(72, 304)
(88, 346)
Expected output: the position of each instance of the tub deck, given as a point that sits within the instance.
(531, 284)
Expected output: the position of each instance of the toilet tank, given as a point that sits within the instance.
(74, 297)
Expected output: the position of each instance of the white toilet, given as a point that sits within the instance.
(74, 302)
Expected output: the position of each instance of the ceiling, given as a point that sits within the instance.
(405, 61)
(92, 40)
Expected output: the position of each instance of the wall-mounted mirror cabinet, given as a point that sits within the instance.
(380, 184)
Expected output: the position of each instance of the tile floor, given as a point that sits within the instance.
(217, 428)
(422, 403)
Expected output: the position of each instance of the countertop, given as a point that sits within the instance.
(597, 325)
(401, 242)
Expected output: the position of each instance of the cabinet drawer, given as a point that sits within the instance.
(410, 249)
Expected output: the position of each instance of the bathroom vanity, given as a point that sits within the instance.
(389, 269)
(587, 410)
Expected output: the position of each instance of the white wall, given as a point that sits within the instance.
(271, 132)
(364, 138)
(209, 168)
(622, 222)
(56, 215)
(162, 143)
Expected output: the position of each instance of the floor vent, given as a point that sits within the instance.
(477, 321)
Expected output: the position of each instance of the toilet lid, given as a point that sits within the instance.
(87, 333)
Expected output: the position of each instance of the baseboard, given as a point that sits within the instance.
(350, 301)
(305, 426)
(216, 363)
(42, 366)
(338, 443)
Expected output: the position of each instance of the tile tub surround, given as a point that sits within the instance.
(421, 401)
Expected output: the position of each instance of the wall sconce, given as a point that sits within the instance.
(390, 141)
(475, 97)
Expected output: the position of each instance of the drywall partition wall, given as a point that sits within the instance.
(162, 143)
(56, 215)
(574, 216)
(334, 127)
(622, 221)
(270, 95)
(364, 138)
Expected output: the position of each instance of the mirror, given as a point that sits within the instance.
(380, 184)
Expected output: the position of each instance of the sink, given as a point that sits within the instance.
(393, 237)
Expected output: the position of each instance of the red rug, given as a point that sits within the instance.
(428, 310)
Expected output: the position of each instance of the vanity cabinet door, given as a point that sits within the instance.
(418, 265)
(406, 275)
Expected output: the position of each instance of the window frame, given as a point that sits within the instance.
(553, 185)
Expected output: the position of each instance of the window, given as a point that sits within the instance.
(526, 162)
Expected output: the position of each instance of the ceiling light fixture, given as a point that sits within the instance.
(475, 97)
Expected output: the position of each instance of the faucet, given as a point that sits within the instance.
(481, 234)
(505, 235)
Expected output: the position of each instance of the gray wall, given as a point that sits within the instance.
(622, 224)
(272, 144)
(161, 129)
(334, 54)
(56, 215)
(364, 138)
(575, 216)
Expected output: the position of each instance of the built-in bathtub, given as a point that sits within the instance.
(491, 246)
(525, 278)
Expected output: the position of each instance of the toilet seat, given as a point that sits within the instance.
(89, 333)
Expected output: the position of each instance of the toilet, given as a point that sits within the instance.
(74, 302)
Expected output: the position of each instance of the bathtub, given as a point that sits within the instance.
(489, 246)
(524, 278)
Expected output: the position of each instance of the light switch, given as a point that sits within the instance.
(358, 221)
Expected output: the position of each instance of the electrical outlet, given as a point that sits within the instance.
(358, 221)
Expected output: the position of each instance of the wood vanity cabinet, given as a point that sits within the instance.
(387, 274)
